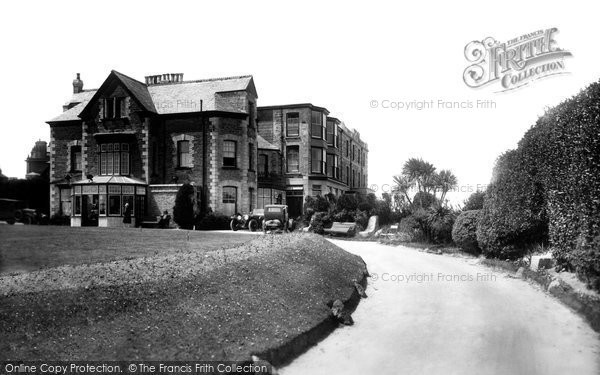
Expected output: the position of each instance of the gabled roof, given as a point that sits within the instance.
(167, 98)
(263, 144)
(137, 89)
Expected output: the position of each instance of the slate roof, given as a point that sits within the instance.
(263, 144)
(185, 97)
(170, 98)
(83, 99)
(138, 89)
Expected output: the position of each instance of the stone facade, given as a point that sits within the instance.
(326, 164)
(132, 131)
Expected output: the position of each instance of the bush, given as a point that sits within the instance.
(423, 200)
(343, 216)
(361, 218)
(368, 203)
(183, 212)
(213, 221)
(513, 217)
(464, 231)
(440, 220)
(320, 221)
(316, 204)
(475, 201)
(347, 202)
(410, 227)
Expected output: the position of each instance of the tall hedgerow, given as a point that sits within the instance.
(553, 176)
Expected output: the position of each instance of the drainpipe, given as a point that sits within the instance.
(203, 205)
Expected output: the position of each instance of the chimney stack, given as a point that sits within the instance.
(77, 84)
(161, 79)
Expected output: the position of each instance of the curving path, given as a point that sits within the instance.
(436, 323)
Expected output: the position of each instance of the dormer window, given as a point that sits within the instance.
(114, 108)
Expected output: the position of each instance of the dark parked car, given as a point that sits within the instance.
(12, 211)
(253, 221)
(277, 218)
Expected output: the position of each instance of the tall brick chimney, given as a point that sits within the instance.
(161, 79)
(77, 85)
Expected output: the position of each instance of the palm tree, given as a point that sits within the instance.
(446, 182)
(402, 186)
(422, 173)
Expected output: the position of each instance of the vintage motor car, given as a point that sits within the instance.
(12, 211)
(252, 221)
(277, 218)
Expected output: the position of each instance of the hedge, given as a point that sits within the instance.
(464, 231)
(552, 178)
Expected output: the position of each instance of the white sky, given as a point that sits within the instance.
(340, 55)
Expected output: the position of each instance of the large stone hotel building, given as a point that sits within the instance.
(135, 143)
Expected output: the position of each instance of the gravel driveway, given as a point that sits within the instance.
(434, 314)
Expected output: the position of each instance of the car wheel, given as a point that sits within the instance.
(233, 225)
(27, 220)
(10, 221)
(253, 225)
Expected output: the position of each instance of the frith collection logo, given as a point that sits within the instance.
(515, 63)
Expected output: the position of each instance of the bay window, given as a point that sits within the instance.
(317, 160)
(316, 124)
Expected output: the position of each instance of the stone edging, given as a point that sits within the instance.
(285, 353)
(586, 305)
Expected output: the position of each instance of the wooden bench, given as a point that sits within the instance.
(391, 232)
(341, 228)
(158, 223)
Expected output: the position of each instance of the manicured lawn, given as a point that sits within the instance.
(189, 305)
(25, 248)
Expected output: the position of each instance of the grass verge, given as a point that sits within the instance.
(244, 300)
(26, 248)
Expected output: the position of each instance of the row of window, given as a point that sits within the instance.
(114, 108)
(322, 162)
(113, 158)
(330, 133)
(184, 159)
(102, 200)
(265, 196)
